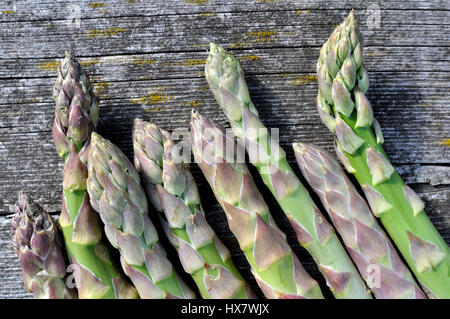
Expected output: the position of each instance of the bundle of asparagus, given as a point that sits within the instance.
(97, 175)
(37, 243)
(275, 267)
(173, 192)
(227, 81)
(114, 187)
(347, 112)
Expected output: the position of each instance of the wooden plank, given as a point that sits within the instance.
(29, 10)
(424, 174)
(172, 33)
(386, 88)
(405, 108)
(254, 61)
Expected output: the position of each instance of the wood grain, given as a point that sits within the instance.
(146, 59)
(173, 33)
(29, 10)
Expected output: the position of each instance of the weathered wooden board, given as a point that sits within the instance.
(171, 65)
(146, 59)
(413, 115)
(29, 10)
(172, 33)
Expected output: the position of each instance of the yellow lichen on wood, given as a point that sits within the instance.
(208, 14)
(49, 66)
(142, 61)
(6, 11)
(302, 11)
(145, 77)
(445, 142)
(239, 45)
(33, 100)
(187, 62)
(191, 104)
(100, 88)
(109, 32)
(95, 5)
(152, 98)
(249, 58)
(197, 2)
(89, 62)
(190, 62)
(262, 36)
(304, 80)
(13, 113)
(194, 103)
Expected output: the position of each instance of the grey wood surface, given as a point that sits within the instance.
(146, 59)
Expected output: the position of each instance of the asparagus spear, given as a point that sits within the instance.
(370, 248)
(38, 245)
(275, 267)
(347, 112)
(227, 81)
(171, 188)
(75, 117)
(114, 187)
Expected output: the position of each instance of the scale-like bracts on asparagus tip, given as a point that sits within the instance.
(116, 194)
(39, 247)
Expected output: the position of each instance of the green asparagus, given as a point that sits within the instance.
(227, 82)
(114, 188)
(275, 267)
(368, 245)
(38, 245)
(172, 190)
(76, 117)
(346, 111)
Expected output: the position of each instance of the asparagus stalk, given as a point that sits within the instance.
(370, 248)
(347, 112)
(114, 188)
(76, 117)
(38, 245)
(275, 267)
(227, 81)
(172, 190)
